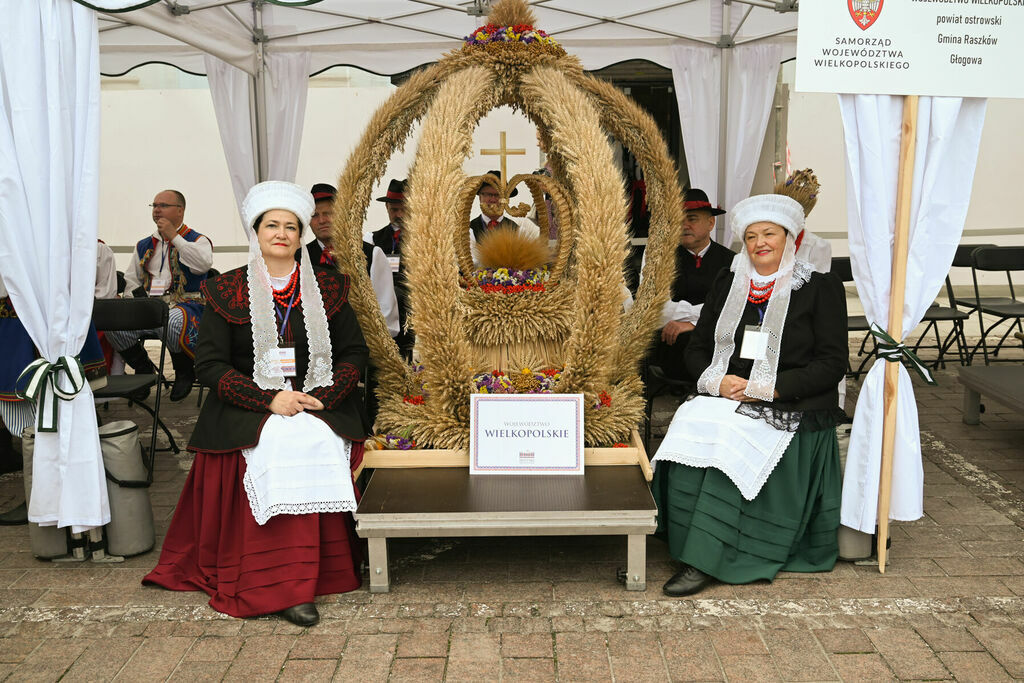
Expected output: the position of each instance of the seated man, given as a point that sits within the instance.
(492, 215)
(320, 253)
(171, 263)
(698, 260)
(389, 239)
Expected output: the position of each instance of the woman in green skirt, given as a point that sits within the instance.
(747, 479)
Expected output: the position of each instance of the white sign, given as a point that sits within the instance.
(526, 434)
(953, 48)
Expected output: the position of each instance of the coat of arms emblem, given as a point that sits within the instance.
(864, 12)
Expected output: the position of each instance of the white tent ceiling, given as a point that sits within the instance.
(392, 36)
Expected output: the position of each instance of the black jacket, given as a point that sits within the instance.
(385, 239)
(478, 226)
(815, 344)
(234, 413)
(692, 284)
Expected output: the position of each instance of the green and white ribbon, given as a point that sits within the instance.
(44, 387)
(895, 352)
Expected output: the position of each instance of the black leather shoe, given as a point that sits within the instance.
(138, 360)
(184, 375)
(687, 582)
(15, 516)
(301, 615)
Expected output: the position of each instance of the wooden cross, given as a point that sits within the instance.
(504, 152)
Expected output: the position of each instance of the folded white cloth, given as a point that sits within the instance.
(706, 431)
(299, 466)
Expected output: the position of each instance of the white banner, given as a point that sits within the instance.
(526, 434)
(953, 48)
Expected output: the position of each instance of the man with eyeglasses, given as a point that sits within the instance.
(171, 263)
(492, 216)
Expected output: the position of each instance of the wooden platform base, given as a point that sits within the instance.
(633, 454)
(448, 502)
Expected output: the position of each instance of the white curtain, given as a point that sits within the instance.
(696, 77)
(948, 134)
(753, 75)
(49, 197)
(697, 80)
(287, 86)
(229, 88)
(287, 78)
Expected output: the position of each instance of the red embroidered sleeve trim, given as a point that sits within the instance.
(333, 290)
(229, 295)
(239, 390)
(346, 377)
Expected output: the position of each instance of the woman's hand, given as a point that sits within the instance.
(732, 387)
(290, 403)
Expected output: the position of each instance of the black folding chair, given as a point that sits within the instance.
(136, 314)
(843, 270)
(962, 259)
(938, 313)
(995, 259)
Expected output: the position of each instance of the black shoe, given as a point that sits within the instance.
(15, 516)
(10, 459)
(184, 375)
(138, 360)
(686, 582)
(301, 615)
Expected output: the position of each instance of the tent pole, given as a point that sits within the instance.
(259, 90)
(725, 43)
(897, 288)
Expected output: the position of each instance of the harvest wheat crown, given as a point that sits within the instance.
(574, 323)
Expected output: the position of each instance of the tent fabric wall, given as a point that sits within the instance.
(49, 194)
(948, 136)
(393, 36)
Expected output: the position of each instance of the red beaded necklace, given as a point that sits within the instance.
(758, 294)
(284, 296)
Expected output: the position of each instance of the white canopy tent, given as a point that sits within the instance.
(271, 43)
(258, 54)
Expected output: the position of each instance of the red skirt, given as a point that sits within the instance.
(215, 545)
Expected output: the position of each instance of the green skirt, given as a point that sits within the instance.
(791, 525)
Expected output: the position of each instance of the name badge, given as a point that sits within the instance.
(755, 343)
(286, 357)
(158, 287)
(394, 262)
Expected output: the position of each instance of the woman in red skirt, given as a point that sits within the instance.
(264, 522)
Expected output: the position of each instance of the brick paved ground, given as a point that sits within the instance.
(951, 604)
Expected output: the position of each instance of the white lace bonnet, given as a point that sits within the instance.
(788, 213)
(275, 194)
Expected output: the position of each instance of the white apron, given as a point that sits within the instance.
(706, 431)
(299, 466)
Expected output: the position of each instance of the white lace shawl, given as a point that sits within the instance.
(267, 369)
(791, 275)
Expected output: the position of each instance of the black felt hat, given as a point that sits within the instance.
(497, 174)
(695, 200)
(395, 193)
(323, 191)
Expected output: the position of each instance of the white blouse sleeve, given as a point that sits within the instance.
(384, 288)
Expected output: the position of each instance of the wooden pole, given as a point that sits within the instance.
(897, 288)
